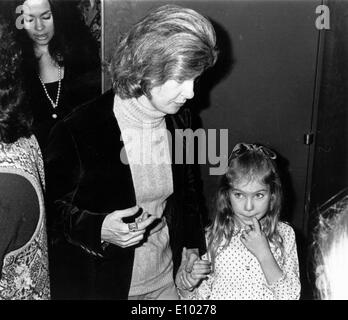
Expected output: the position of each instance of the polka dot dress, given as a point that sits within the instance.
(238, 274)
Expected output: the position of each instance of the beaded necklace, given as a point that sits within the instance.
(54, 104)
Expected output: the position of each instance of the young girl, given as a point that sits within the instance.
(252, 254)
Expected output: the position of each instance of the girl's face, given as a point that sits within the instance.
(171, 96)
(250, 198)
(38, 21)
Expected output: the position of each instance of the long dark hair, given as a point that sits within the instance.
(15, 119)
(253, 162)
(56, 47)
(72, 42)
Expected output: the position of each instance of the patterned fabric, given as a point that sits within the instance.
(25, 270)
(238, 274)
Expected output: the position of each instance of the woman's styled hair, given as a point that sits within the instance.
(15, 120)
(170, 43)
(331, 249)
(247, 161)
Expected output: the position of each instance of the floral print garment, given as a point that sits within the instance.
(25, 270)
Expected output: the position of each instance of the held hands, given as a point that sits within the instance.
(255, 240)
(192, 270)
(124, 235)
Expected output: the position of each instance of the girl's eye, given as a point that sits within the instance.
(238, 195)
(47, 17)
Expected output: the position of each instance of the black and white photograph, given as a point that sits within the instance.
(187, 151)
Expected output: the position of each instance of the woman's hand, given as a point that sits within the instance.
(192, 271)
(124, 235)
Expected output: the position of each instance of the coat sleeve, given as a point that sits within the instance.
(65, 219)
(193, 224)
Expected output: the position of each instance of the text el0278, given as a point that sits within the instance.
(195, 309)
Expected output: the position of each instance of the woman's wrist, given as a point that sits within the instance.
(181, 285)
(184, 292)
(185, 289)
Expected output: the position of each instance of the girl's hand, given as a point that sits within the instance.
(255, 240)
(189, 280)
(201, 269)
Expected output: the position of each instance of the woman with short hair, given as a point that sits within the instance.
(113, 156)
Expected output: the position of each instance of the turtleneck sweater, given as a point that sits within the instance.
(143, 130)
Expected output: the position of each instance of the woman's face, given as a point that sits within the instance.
(171, 96)
(38, 21)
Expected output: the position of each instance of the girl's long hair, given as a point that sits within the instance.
(254, 163)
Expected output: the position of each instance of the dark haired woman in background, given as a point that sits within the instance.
(60, 61)
(23, 244)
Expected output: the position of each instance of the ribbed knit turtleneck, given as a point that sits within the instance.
(144, 133)
(138, 114)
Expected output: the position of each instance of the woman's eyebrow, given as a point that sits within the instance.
(48, 11)
(42, 14)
